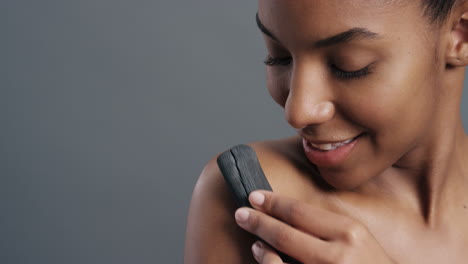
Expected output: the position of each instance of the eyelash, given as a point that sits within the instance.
(340, 74)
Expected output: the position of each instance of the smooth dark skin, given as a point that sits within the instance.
(407, 179)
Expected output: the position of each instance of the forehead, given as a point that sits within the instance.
(314, 19)
(338, 6)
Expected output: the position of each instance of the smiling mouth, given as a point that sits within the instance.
(331, 146)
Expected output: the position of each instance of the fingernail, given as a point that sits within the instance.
(257, 198)
(242, 215)
(257, 249)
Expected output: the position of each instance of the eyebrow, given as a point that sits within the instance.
(355, 33)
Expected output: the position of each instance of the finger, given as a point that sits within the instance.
(293, 242)
(319, 222)
(265, 254)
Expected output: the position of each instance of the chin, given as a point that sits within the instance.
(343, 180)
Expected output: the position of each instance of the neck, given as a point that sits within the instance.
(433, 176)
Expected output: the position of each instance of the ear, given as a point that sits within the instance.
(457, 53)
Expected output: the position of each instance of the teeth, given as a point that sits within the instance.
(325, 146)
(330, 146)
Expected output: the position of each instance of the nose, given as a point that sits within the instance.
(310, 98)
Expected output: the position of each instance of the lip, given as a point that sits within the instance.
(328, 158)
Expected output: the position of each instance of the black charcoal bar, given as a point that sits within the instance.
(243, 173)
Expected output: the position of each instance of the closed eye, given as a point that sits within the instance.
(344, 75)
(339, 73)
(271, 61)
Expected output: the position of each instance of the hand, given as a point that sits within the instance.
(307, 233)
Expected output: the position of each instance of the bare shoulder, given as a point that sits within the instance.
(212, 236)
(286, 167)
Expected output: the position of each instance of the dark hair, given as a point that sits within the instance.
(438, 10)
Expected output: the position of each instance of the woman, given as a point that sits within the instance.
(378, 172)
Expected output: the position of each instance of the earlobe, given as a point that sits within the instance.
(457, 53)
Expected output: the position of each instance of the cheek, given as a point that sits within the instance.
(397, 115)
(278, 84)
(397, 109)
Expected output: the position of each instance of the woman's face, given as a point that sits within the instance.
(377, 82)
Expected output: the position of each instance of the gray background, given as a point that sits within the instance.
(110, 109)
